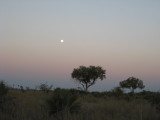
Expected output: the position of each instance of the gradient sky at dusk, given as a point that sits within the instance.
(122, 36)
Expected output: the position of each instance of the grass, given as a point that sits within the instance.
(113, 109)
(31, 105)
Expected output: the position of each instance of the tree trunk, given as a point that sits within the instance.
(86, 89)
(132, 91)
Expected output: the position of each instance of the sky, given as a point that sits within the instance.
(122, 36)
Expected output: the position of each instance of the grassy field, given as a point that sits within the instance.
(32, 105)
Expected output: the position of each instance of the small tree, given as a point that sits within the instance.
(22, 89)
(27, 88)
(132, 83)
(117, 91)
(3, 89)
(87, 76)
(3, 92)
(44, 87)
(63, 102)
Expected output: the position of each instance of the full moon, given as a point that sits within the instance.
(62, 41)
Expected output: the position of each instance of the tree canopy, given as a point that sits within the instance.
(87, 76)
(132, 83)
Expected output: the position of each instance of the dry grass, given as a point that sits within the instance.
(112, 109)
(31, 105)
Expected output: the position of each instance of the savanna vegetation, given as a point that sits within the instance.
(73, 104)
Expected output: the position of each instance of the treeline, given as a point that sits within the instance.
(45, 103)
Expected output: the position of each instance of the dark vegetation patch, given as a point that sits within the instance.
(72, 104)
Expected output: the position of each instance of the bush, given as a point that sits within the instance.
(117, 91)
(3, 89)
(3, 92)
(44, 87)
(63, 101)
(154, 98)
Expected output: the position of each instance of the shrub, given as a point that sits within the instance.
(3, 89)
(154, 98)
(3, 92)
(117, 91)
(63, 101)
(44, 87)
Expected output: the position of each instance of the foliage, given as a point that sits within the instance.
(87, 76)
(153, 97)
(63, 101)
(132, 83)
(3, 89)
(44, 87)
(117, 91)
(93, 106)
(22, 89)
(27, 88)
(3, 92)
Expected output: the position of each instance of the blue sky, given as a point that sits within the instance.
(121, 36)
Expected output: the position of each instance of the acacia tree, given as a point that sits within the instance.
(132, 83)
(87, 76)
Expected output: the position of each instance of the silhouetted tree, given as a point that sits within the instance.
(3, 89)
(3, 92)
(44, 87)
(117, 91)
(132, 83)
(63, 101)
(27, 88)
(87, 76)
(22, 89)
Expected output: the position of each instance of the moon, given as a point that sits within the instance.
(62, 41)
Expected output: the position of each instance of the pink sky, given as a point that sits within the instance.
(122, 37)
